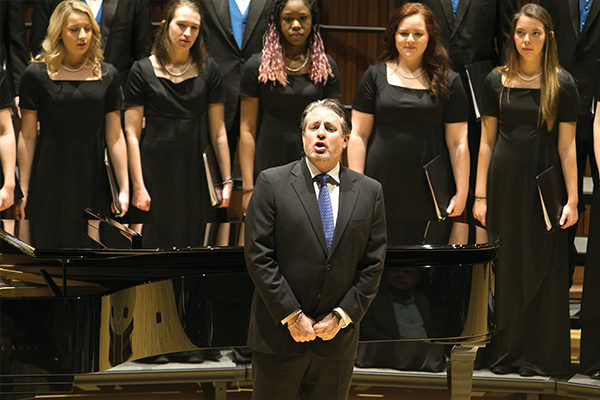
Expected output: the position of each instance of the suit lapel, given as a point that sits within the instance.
(254, 12)
(593, 14)
(221, 8)
(348, 196)
(109, 9)
(304, 187)
(574, 15)
(447, 9)
(461, 11)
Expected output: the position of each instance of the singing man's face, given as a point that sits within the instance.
(323, 138)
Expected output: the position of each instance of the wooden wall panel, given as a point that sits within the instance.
(354, 52)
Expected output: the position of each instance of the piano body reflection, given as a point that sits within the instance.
(85, 297)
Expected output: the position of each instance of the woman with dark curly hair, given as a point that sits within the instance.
(179, 93)
(291, 72)
(407, 110)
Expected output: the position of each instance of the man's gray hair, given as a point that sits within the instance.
(332, 105)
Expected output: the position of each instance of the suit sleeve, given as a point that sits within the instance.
(39, 25)
(506, 10)
(356, 301)
(142, 31)
(259, 249)
(16, 49)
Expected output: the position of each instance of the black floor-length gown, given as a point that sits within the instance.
(172, 142)
(408, 132)
(68, 173)
(278, 134)
(531, 303)
(590, 302)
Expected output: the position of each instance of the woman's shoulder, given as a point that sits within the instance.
(108, 70)
(565, 79)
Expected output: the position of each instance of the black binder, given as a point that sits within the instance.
(441, 184)
(114, 185)
(476, 74)
(551, 189)
(213, 176)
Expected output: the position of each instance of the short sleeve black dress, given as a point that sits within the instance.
(589, 317)
(532, 300)
(68, 173)
(408, 132)
(173, 140)
(278, 136)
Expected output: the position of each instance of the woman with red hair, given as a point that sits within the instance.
(408, 110)
(291, 72)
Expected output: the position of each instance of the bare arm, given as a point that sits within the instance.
(26, 149)
(133, 131)
(248, 121)
(362, 125)
(568, 161)
(489, 134)
(458, 148)
(8, 157)
(218, 138)
(117, 150)
(597, 133)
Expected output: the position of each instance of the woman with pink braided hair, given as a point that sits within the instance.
(277, 84)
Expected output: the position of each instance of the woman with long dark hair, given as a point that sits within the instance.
(529, 115)
(291, 72)
(77, 100)
(407, 110)
(179, 93)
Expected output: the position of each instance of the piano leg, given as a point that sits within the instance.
(460, 379)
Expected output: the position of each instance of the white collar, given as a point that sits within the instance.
(334, 172)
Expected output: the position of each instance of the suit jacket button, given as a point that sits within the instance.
(328, 267)
(318, 295)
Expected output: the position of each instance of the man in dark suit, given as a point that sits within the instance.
(231, 41)
(13, 51)
(314, 250)
(473, 31)
(125, 27)
(577, 32)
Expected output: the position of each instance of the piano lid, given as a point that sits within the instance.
(106, 238)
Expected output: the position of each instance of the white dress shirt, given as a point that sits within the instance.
(242, 5)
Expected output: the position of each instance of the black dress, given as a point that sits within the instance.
(531, 303)
(68, 173)
(590, 311)
(278, 134)
(408, 132)
(173, 140)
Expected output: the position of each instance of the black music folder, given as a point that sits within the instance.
(551, 189)
(441, 184)
(114, 185)
(476, 74)
(213, 176)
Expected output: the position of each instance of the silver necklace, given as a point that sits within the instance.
(397, 70)
(178, 74)
(300, 67)
(73, 69)
(529, 78)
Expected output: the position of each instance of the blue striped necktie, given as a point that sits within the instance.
(325, 209)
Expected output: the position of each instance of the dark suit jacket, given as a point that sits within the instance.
(469, 37)
(13, 50)
(287, 257)
(223, 48)
(125, 27)
(578, 52)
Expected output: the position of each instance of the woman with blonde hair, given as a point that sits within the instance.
(529, 114)
(179, 92)
(77, 100)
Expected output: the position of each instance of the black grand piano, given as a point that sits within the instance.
(87, 296)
